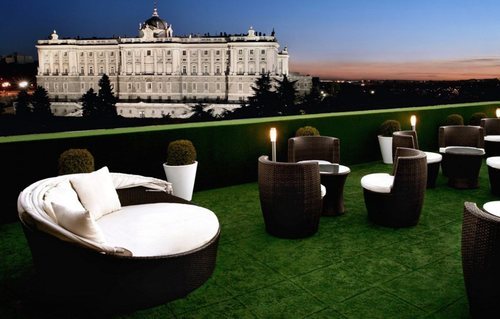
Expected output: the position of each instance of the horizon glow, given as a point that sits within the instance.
(332, 39)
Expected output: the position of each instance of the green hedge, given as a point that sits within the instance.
(227, 150)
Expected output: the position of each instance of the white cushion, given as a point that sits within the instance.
(378, 182)
(444, 149)
(97, 192)
(323, 191)
(315, 161)
(159, 229)
(79, 222)
(63, 194)
(492, 138)
(492, 208)
(493, 161)
(433, 157)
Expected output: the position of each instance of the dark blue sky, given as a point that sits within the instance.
(331, 38)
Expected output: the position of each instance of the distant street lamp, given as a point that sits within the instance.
(498, 112)
(23, 84)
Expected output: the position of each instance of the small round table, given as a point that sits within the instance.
(333, 177)
(334, 181)
(462, 166)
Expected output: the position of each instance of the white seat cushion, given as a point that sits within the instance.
(433, 157)
(378, 182)
(492, 138)
(492, 208)
(97, 192)
(444, 149)
(493, 161)
(315, 161)
(159, 229)
(323, 191)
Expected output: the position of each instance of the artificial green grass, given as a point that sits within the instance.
(349, 269)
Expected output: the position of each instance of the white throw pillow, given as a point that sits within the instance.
(97, 192)
(79, 222)
(62, 194)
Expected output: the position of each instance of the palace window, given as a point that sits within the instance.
(148, 52)
(240, 52)
(262, 51)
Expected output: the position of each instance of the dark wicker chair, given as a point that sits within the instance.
(453, 165)
(409, 139)
(324, 148)
(402, 204)
(481, 261)
(75, 277)
(461, 135)
(491, 128)
(290, 197)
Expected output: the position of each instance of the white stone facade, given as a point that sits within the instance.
(158, 67)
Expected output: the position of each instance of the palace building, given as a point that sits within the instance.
(157, 72)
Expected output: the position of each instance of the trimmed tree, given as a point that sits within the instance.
(41, 103)
(200, 113)
(89, 104)
(287, 95)
(107, 100)
(23, 108)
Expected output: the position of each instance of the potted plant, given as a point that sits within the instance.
(454, 119)
(180, 167)
(307, 131)
(75, 160)
(475, 118)
(385, 139)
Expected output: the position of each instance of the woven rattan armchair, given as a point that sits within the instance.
(481, 261)
(290, 197)
(409, 139)
(462, 170)
(326, 148)
(491, 128)
(396, 200)
(461, 135)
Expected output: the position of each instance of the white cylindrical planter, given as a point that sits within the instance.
(182, 178)
(385, 143)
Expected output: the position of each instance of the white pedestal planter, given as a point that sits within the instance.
(182, 178)
(385, 143)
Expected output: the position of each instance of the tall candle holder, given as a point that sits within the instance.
(273, 135)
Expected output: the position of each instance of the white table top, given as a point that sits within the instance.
(492, 207)
(326, 167)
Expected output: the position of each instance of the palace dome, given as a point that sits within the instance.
(156, 22)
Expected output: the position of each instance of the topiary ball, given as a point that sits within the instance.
(388, 127)
(75, 160)
(181, 152)
(475, 119)
(307, 131)
(454, 119)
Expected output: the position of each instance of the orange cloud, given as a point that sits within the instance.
(480, 68)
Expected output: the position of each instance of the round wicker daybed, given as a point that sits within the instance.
(169, 246)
